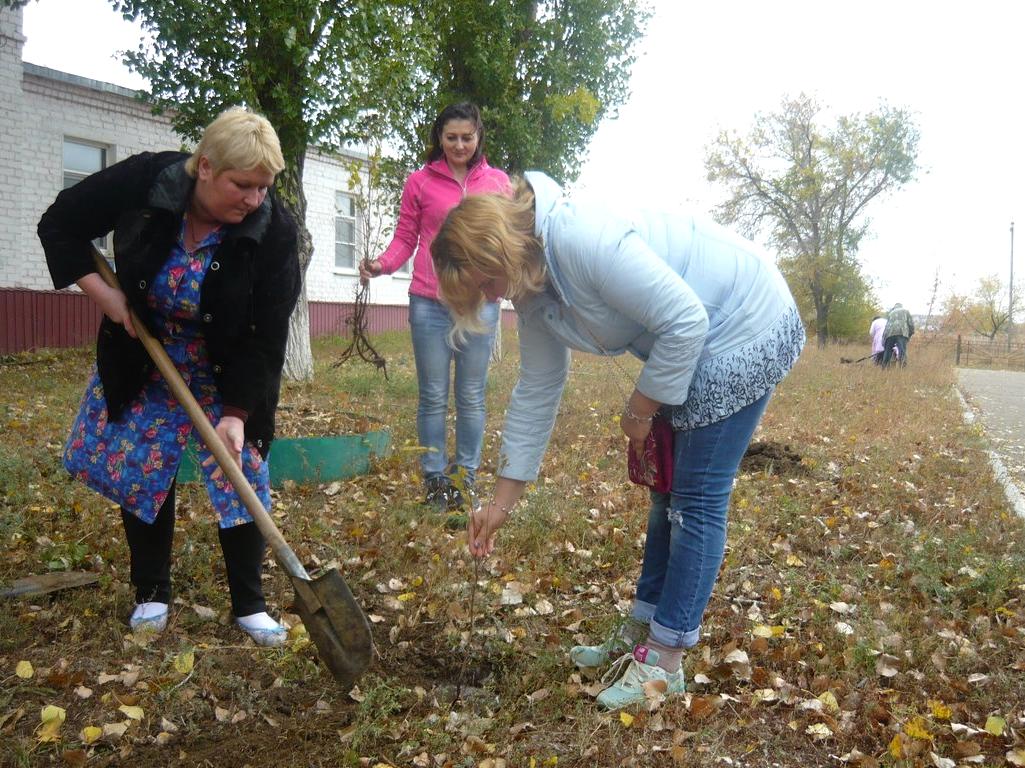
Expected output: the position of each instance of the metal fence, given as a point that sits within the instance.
(980, 352)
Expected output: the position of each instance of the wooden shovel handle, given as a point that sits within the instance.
(284, 554)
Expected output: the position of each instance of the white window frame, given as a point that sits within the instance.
(76, 175)
(354, 219)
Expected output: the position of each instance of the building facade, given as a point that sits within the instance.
(56, 128)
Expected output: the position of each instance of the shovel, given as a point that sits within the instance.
(336, 623)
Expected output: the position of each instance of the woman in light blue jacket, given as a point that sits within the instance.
(717, 329)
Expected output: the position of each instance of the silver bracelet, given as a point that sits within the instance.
(633, 416)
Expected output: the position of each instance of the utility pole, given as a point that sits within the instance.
(1010, 295)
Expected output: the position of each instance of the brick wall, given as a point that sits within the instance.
(40, 107)
(11, 142)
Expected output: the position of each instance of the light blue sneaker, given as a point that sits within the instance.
(633, 671)
(620, 640)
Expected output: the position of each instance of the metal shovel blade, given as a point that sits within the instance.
(336, 623)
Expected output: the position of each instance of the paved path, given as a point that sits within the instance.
(998, 399)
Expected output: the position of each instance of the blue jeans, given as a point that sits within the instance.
(687, 527)
(430, 323)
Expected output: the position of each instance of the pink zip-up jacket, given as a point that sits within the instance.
(430, 193)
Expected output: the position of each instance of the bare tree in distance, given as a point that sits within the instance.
(808, 186)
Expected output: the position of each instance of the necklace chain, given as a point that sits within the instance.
(190, 237)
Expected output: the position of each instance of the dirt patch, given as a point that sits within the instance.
(772, 458)
(430, 660)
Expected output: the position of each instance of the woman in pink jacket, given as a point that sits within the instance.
(455, 168)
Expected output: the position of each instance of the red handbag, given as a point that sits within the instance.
(654, 467)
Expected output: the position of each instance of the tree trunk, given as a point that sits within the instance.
(298, 353)
(821, 319)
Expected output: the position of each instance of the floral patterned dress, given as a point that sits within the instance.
(133, 461)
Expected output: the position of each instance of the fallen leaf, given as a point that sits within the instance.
(995, 726)
(133, 713)
(512, 594)
(829, 702)
(52, 718)
(766, 695)
(74, 757)
(517, 729)
(221, 714)
(1016, 756)
(818, 731)
(966, 749)
(703, 706)
(476, 746)
(113, 732)
(90, 734)
(886, 665)
(203, 612)
(941, 762)
(538, 695)
(83, 693)
(916, 729)
(24, 670)
(184, 662)
(626, 719)
(543, 607)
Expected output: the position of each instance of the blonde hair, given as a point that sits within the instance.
(493, 234)
(238, 140)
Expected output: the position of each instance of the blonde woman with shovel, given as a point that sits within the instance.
(207, 257)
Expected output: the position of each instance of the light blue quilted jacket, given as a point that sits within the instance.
(707, 311)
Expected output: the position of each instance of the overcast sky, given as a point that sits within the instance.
(714, 64)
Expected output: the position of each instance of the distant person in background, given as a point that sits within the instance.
(875, 332)
(898, 331)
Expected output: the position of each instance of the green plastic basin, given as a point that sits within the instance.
(309, 459)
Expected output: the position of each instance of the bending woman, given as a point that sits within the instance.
(716, 325)
(207, 258)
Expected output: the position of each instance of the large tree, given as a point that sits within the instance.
(544, 72)
(323, 73)
(807, 186)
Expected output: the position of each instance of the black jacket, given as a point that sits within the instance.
(246, 299)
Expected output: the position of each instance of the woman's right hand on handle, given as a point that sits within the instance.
(369, 268)
(112, 301)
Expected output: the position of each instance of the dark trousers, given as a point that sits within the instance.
(900, 343)
(150, 546)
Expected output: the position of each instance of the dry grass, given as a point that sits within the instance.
(873, 580)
